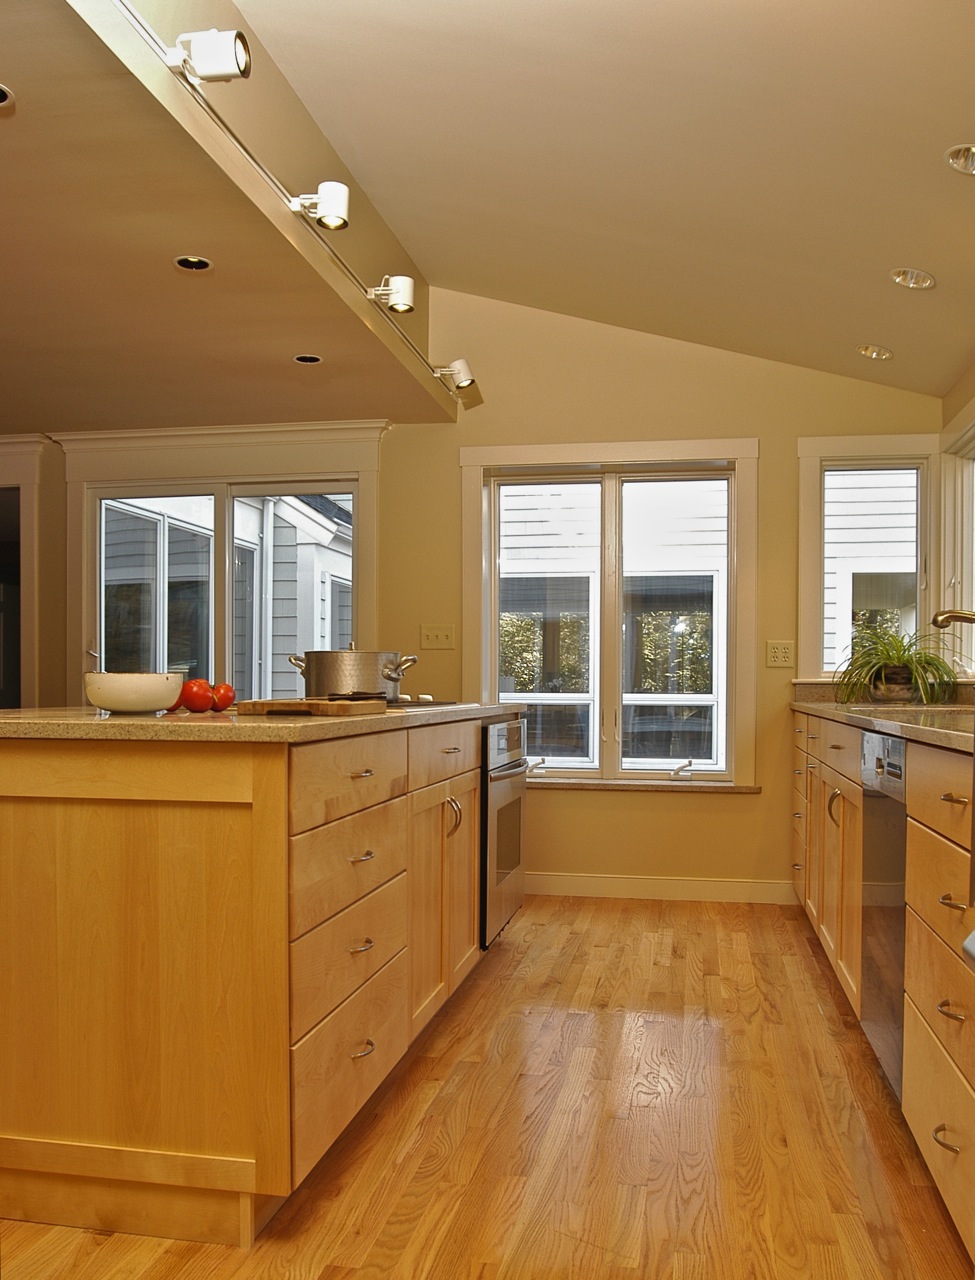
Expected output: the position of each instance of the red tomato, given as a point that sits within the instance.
(223, 696)
(197, 695)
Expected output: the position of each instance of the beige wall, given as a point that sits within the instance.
(546, 379)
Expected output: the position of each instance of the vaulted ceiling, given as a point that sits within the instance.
(743, 175)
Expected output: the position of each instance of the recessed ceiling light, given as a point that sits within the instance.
(872, 352)
(6, 98)
(308, 359)
(192, 262)
(912, 278)
(962, 157)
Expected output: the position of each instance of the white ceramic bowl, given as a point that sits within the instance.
(132, 691)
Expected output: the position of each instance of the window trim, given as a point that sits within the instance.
(816, 454)
(481, 465)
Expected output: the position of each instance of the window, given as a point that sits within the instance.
(868, 544)
(614, 613)
(291, 588)
(870, 554)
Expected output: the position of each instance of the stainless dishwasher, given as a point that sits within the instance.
(884, 862)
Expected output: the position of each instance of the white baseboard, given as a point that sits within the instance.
(666, 888)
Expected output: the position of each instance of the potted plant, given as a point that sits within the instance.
(885, 666)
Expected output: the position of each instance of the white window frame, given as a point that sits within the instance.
(225, 462)
(820, 453)
(163, 521)
(480, 466)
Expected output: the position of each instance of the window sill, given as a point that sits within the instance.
(698, 786)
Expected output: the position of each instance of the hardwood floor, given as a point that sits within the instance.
(621, 1090)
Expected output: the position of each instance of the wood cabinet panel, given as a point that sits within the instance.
(462, 876)
(443, 751)
(331, 961)
(837, 746)
(943, 990)
(428, 960)
(937, 884)
(334, 864)
(342, 1060)
(939, 1103)
(939, 791)
(330, 780)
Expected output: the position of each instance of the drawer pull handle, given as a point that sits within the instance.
(829, 806)
(363, 773)
(798, 866)
(814, 735)
(948, 1146)
(797, 815)
(369, 944)
(946, 900)
(945, 1011)
(371, 1048)
(950, 798)
(797, 771)
(364, 857)
(797, 731)
(835, 746)
(451, 751)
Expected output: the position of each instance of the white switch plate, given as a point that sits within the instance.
(436, 635)
(780, 653)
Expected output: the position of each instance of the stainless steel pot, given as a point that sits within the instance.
(341, 672)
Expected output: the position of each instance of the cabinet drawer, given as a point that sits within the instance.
(838, 746)
(439, 751)
(330, 962)
(936, 1095)
(799, 815)
(800, 726)
(941, 985)
(933, 774)
(335, 864)
(937, 875)
(330, 1081)
(328, 780)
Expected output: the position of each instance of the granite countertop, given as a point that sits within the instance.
(226, 726)
(951, 726)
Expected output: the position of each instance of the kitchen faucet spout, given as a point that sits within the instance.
(947, 616)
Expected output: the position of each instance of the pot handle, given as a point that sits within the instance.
(296, 661)
(398, 669)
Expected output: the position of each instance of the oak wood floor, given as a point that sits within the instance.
(622, 1090)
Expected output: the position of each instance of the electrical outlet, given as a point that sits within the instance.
(436, 635)
(779, 653)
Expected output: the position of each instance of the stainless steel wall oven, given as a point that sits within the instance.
(503, 791)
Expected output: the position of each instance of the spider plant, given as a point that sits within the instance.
(887, 666)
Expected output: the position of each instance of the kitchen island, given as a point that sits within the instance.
(218, 934)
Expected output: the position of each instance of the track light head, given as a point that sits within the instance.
(458, 372)
(205, 56)
(329, 207)
(396, 292)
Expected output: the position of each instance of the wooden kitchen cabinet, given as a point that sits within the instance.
(443, 865)
(207, 958)
(939, 1031)
(833, 846)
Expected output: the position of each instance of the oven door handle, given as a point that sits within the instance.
(514, 770)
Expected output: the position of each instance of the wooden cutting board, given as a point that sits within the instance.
(309, 707)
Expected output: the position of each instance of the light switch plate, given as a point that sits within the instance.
(436, 635)
(780, 653)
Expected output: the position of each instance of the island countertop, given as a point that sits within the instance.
(226, 726)
(951, 726)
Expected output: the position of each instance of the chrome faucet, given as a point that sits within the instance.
(947, 616)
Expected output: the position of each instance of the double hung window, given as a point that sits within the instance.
(613, 614)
